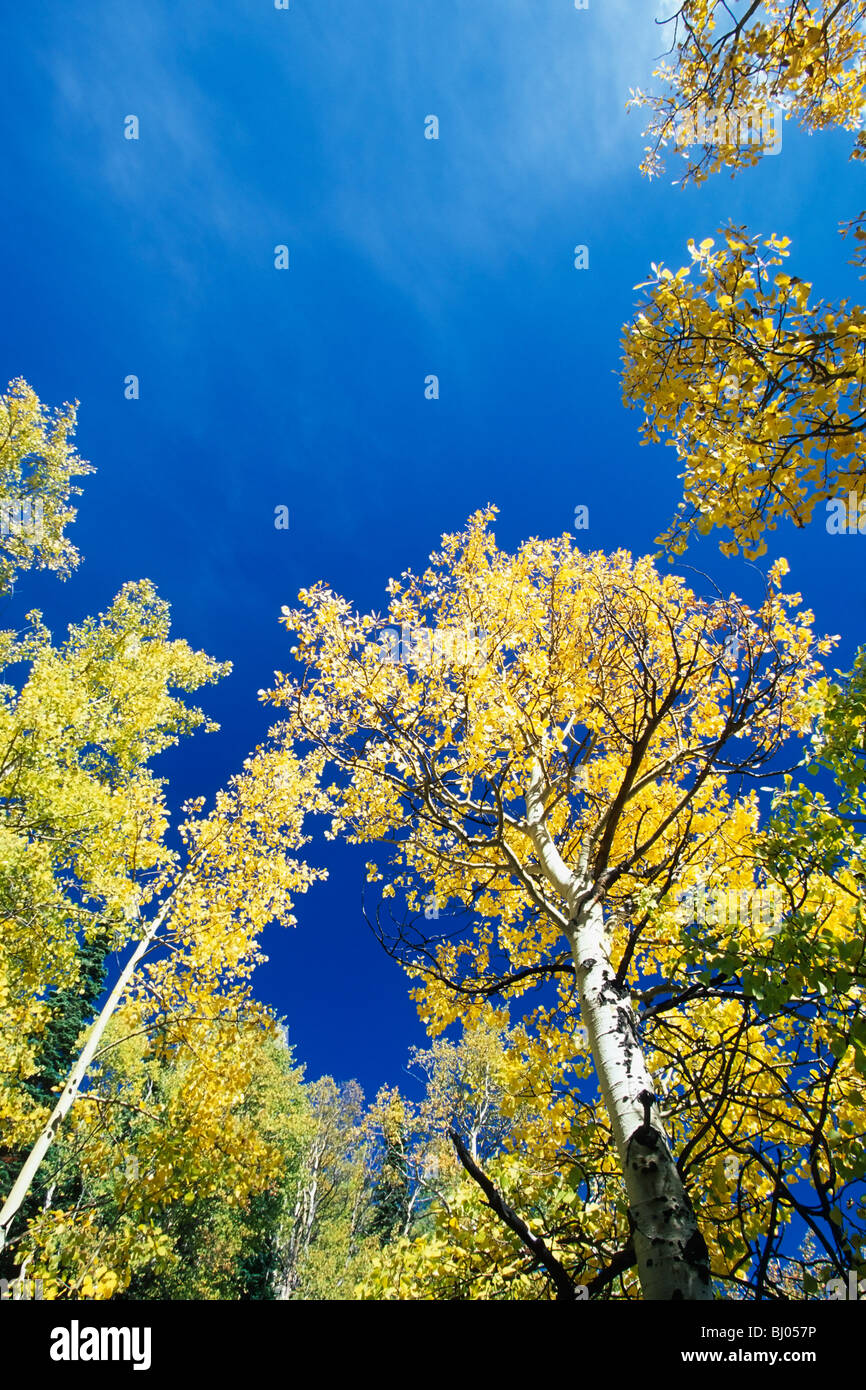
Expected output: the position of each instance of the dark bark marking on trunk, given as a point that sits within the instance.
(696, 1253)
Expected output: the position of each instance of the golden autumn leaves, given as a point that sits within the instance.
(86, 859)
(622, 684)
(760, 392)
(807, 61)
(642, 703)
(757, 386)
(644, 706)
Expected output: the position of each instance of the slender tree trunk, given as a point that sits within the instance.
(25, 1178)
(310, 1216)
(303, 1221)
(672, 1257)
(288, 1279)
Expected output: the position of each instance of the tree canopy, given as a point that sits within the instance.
(615, 827)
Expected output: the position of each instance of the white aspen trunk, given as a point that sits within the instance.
(312, 1195)
(356, 1208)
(409, 1210)
(25, 1178)
(671, 1254)
(287, 1280)
(301, 1231)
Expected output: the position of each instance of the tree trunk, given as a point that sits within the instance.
(25, 1178)
(672, 1257)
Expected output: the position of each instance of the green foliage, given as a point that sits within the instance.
(37, 464)
(82, 817)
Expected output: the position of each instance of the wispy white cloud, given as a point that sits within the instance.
(530, 93)
(144, 61)
(531, 97)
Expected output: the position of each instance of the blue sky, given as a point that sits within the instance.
(305, 387)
